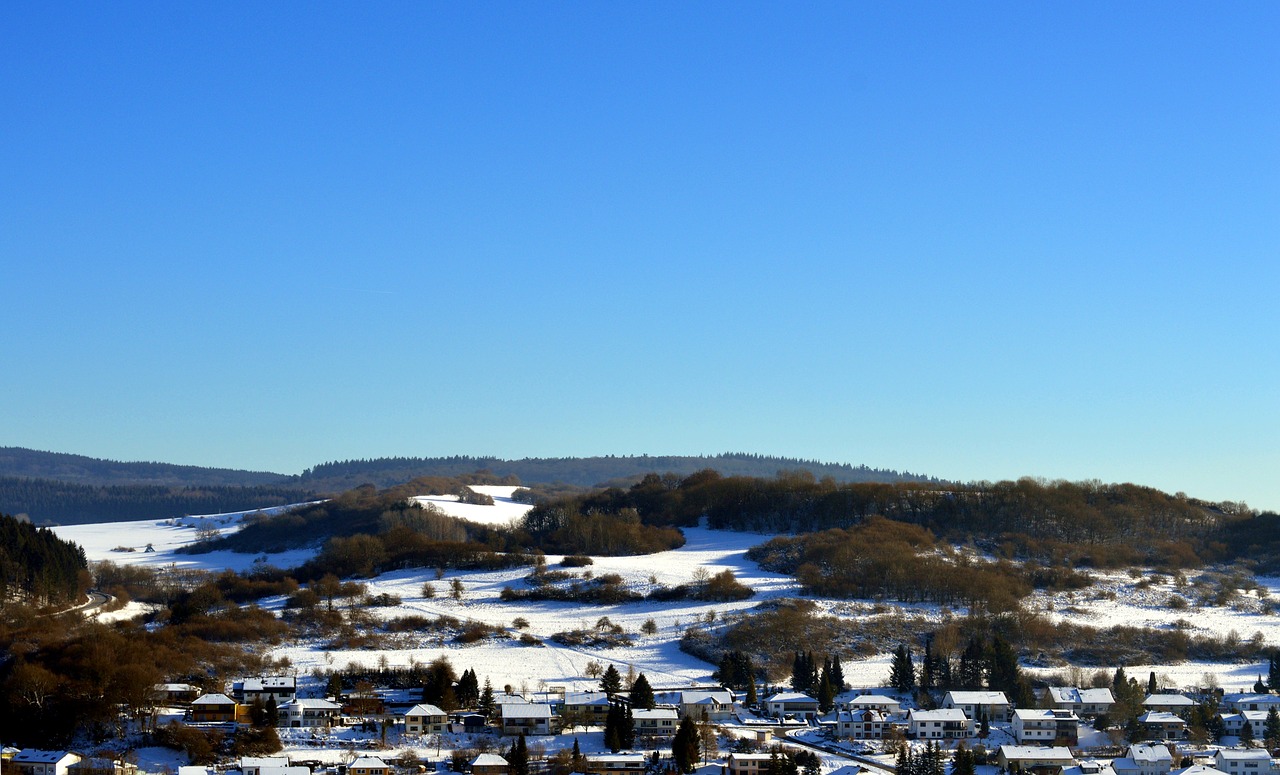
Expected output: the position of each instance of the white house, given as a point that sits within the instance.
(1160, 725)
(747, 763)
(1052, 727)
(942, 724)
(423, 719)
(655, 721)
(1082, 702)
(307, 712)
(862, 724)
(281, 687)
(795, 704)
(718, 703)
(35, 761)
(616, 763)
(254, 765)
(1169, 703)
(1244, 761)
(1232, 723)
(531, 718)
(976, 705)
(1262, 702)
(1144, 760)
(881, 702)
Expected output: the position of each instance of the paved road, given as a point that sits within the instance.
(96, 600)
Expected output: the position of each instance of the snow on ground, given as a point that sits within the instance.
(1116, 598)
(503, 511)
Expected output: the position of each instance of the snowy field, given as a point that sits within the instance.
(1116, 599)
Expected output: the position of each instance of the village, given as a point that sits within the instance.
(628, 727)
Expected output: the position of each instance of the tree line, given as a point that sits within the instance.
(38, 567)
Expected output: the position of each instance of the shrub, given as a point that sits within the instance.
(576, 561)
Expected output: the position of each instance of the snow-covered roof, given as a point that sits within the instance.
(976, 698)
(1038, 752)
(41, 756)
(586, 698)
(875, 699)
(618, 758)
(655, 713)
(1199, 769)
(368, 763)
(268, 683)
(1244, 754)
(1077, 696)
(213, 699)
(941, 714)
(1148, 752)
(423, 709)
(1161, 717)
(489, 760)
(527, 710)
(263, 761)
(1044, 714)
(311, 703)
(790, 697)
(1168, 701)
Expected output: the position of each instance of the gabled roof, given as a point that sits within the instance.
(1169, 700)
(1146, 752)
(41, 756)
(976, 698)
(1045, 714)
(1038, 752)
(423, 709)
(268, 683)
(489, 760)
(526, 710)
(1075, 696)
(941, 714)
(1244, 754)
(1161, 717)
(311, 703)
(264, 761)
(655, 713)
(368, 763)
(213, 699)
(790, 697)
(586, 698)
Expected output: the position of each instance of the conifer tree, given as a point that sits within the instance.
(902, 674)
(611, 681)
(1246, 734)
(837, 673)
(684, 745)
(518, 757)
(1273, 673)
(1271, 729)
(642, 694)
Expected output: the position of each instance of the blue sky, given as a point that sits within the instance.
(973, 240)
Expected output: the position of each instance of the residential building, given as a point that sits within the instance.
(993, 706)
(615, 764)
(1262, 702)
(585, 709)
(35, 761)
(1160, 725)
(425, 719)
(717, 704)
(863, 724)
(1244, 761)
(368, 765)
(655, 721)
(489, 764)
(1045, 727)
(176, 694)
(746, 763)
(794, 704)
(881, 702)
(1144, 759)
(1256, 719)
(942, 724)
(255, 765)
(1031, 758)
(1169, 703)
(531, 718)
(1082, 702)
(214, 708)
(307, 712)
(280, 687)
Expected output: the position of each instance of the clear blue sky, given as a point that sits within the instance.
(974, 240)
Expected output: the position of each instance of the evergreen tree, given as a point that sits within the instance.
(468, 690)
(965, 762)
(971, 671)
(837, 673)
(577, 762)
(684, 745)
(486, 704)
(1273, 673)
(1003, 674)
(611, 681)
(613, 728)
(1152, 686)
(902, 674)
(1246, 734)
(642, 693)
(518, 757)
(826, 694)
(627, 732)
(927, 669)
(1271, 729)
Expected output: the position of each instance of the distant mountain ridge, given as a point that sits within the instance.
(79, 469)
(68, 489)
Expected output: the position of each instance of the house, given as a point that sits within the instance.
(746, 763)
(367, 765)
(1169, 703)
(280, 687)
(531, 718)
(424, 719)
(35, 761)
(1256, 719)
(489, 764)
(943, 724)
(615, 764)
(296, 769)
(795, 704)
(718, 704)
(1144, 760)
(993, 706)
(1244, 761)
(1049, 727)
(585, 709)
(1263, 702)
(303, 713)
(881, 702)
(657, 721)
(255, 765)
(468, 722)
(1030, 758)
(1200, 769)
(1082, 702)
(175, 694)
(1160, 725)
(863, 724)
(215, 708)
